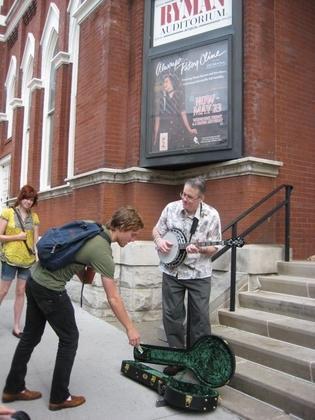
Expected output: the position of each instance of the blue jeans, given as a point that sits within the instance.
(56, 308)
(9, 272)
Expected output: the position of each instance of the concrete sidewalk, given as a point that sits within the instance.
(96, 375)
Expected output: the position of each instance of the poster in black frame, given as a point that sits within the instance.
(192, 97)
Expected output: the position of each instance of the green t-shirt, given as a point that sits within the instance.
(96, 253)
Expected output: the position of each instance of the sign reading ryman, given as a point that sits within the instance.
(178, 19)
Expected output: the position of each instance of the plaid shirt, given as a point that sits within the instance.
(208, 229)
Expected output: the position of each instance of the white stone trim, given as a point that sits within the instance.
(73, 42)
(61, 58)
(236, 167)
(5, 172)
(48, 42)
(85, 9)
(17, 10)
(29, 51)
(11, 75)
(51, 23)
(3, 116)
(35, 84)
(10, 92)
(6, 160)
(16, 103)
(27, 66)
(54, 192)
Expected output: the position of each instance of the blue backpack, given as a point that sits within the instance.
(58, 246)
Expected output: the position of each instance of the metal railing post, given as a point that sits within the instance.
(288, 190)
(233, 270)
(233, 226)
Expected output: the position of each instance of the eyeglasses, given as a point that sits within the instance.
(187, 197)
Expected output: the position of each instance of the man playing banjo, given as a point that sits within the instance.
(191, 224)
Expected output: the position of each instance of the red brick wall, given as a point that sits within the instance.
(6, 6)
(61, 125)
(16, 150)
(278, 116)
(259, 81)
(279, 109)
(135, 83)
(103, 88)
(36, 127)
(295, 110)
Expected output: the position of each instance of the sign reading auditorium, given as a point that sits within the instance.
(174, 20)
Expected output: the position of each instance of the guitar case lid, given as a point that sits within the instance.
(210, 359)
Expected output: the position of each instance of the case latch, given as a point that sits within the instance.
(188, 400)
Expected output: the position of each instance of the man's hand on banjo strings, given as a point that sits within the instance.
(193, 249)
(196, 249)
(163, 245)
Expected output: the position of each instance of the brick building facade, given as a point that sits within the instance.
(70, 114)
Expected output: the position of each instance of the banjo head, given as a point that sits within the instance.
(176, 255)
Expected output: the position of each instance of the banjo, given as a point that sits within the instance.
(178, 253)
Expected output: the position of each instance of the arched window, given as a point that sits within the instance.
(10, 93)
(74, 34)
(49, 43)
(27, 74)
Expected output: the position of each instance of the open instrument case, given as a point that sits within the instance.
(210, 360)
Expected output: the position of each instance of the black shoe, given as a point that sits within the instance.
(173, 370)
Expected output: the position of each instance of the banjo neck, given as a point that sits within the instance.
(206, 243)
(178, 240)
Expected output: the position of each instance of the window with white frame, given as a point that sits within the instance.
(49, 43)
(74, 34)
(10, 92)
(5, 168)
(27, 65)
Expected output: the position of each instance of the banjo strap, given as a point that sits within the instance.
(194, 225)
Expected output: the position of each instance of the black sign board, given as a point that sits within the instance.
(192, 106)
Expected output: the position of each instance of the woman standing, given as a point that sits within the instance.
(19, 227)
(172, 128)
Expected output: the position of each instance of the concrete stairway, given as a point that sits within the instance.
(272, 333)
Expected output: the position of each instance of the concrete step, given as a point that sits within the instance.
(248, 407)
(280, 327)
(297, 268)
(290, 358)
(291, 285)
(294, 306)
(293, 395)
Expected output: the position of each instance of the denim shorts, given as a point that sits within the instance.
(8, 272)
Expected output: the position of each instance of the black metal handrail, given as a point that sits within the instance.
(234, 232)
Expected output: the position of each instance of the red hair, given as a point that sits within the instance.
(26, 192)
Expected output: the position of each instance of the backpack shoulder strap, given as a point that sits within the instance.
(107, 238)
(105, 235)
